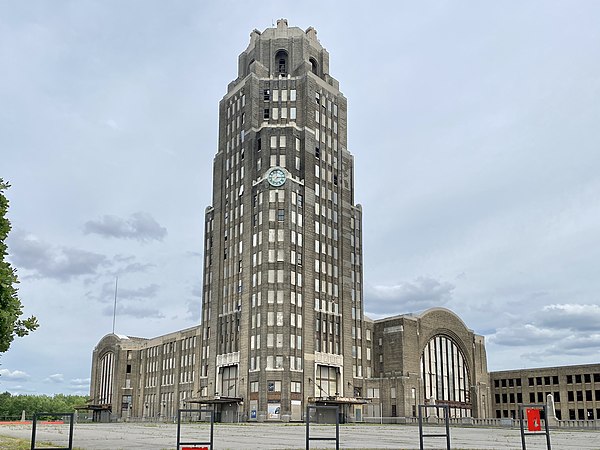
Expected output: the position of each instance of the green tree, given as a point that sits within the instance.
(11, 309)
(11, 406)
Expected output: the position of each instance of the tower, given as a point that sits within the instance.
(282, 313)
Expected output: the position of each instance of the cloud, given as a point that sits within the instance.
(107, 293)
(15, 375)
(524, 335)
(571, 316)
(55, 378)
(79, 384)
(140, 226)
(136, 268)
(197, 290)
(558, 329)
(133, 310)
(408, 296)
(48, 261)
(194, 308)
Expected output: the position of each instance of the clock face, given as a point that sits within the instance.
(276, 177)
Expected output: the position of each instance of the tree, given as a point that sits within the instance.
(11, 309)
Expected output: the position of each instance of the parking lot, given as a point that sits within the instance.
(293, 436)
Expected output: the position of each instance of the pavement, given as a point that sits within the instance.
(149, 436)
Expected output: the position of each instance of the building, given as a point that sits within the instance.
(282, 304)
(430, 358)
(282, 307)
(143, 378)
(575, 391)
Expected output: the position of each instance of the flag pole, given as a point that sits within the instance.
(115, 305)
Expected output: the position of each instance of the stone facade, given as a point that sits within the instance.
(575, 391)
(137, 378)
(400, 367)
(283, 256)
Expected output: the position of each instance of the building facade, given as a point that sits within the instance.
(575, 391)
(282, 304)
(282, 307)
(429, 358)
(138, 378)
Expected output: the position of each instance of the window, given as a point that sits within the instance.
(326, 381)
(274, 386)
(280, 215)
(445, 374)
(266, 94)
(266, 113)
(281, 62)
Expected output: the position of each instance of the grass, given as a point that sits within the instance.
(9, 443)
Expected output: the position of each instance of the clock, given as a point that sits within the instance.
(276, 176)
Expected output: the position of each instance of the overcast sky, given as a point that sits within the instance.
(475, 128)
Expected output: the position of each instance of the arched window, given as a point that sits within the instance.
(106, 379)
(281, 62)
(313, 66)
(445, 375)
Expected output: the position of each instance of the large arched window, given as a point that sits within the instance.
(106, 379)
(445, 375)
(281, 62)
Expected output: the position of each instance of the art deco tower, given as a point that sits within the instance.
(282, 313)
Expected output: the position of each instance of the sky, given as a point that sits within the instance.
(475, 132)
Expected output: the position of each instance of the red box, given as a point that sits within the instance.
(534, 422)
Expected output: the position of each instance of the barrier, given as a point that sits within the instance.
(534, 423)
(446, 409)
(194, 445)
(336, 409)
(63, 415)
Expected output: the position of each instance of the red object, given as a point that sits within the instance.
(534, 422)
(194, 448)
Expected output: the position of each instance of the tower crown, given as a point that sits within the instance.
(284, 51)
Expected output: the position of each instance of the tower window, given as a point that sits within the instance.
(313, 66)
(281, 58)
